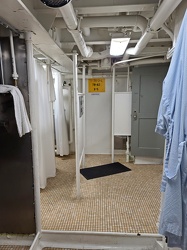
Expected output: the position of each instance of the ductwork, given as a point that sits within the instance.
(85, 50)
(108, 21)
(161, 15)
(69, 16)
(98, 55)
(55, 3)
(168, 31)
(106, 53)
(96, 22)
(70, 19)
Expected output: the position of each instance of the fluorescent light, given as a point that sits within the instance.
(118, 46)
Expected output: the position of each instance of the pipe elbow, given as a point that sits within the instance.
(85, 50)
(141, 22)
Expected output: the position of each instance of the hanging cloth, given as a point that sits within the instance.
(61, 130)
(22, 120)
(45, 126)
(172, 124)
(50, 81)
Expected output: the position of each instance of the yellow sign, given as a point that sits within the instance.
(96, 85)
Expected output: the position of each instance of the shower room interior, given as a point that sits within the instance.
(55, 118)
(54, 124)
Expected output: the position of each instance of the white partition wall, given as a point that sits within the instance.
(122, 113)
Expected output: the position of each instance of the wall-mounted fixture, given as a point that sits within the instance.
(55, 3)
(118, 46)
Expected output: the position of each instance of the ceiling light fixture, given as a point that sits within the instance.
(118, 46)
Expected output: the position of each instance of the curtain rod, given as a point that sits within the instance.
(63, 73)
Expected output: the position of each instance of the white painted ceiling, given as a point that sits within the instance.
(51, 36)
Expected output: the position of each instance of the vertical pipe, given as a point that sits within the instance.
(14, 74)
(33, 117)
(84, 111)
(75, 88)
(70, 115)
(127, 149)
(128, 78)
(1, 62)
(113, 108)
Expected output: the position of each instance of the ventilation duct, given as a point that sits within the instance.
(55, 3)
(161, 15)
(70, 19)
(108, 21)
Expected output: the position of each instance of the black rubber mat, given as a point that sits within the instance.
(103, 170)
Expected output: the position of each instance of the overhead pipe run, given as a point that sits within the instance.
(70, 19)
(161, 15)
(71, 22)
(85, 50)
(108, 22)
(168, 31)
(98, 55)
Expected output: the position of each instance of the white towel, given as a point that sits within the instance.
(21, 116)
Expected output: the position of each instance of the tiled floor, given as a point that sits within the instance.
(125, 202)
(14, 248)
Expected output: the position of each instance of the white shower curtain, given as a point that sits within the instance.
(45, 124)
(61, 131)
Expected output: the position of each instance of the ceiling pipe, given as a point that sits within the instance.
(97, 55)
(86, 31)
(161, 15)
(70, 19)
(106, 54)
(85, 50)
(160, 60)
(149, 61)
(69, 16)
(168, 31)
(108, 22)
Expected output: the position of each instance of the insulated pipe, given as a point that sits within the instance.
(149, 61)
(108, 21)
(69, 16)
(168, 31)
(115, 21)
(141, 44)
(1, 62)
(161, 15)
(14, 74)
(70, 115)
(129, 61)
(86, 51)
(70, 19)
(86, 31)
(98, 55)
